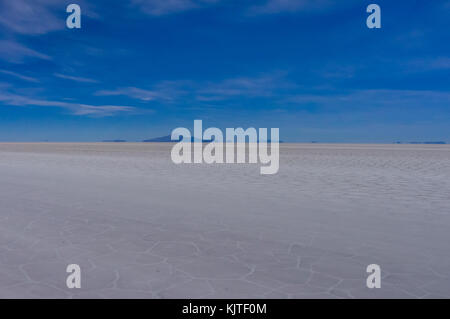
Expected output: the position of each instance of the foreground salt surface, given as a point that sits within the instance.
(142, 227)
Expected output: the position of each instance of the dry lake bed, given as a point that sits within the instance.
(140, 226)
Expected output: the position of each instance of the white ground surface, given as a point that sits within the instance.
(142, 227)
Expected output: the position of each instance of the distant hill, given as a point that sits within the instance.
(114, 141)
(438, 142)
(167, 139)
(161, 139)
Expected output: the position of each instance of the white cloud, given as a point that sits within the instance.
(75, 78)
(266, 85)
(15, 52)
(20, 76)
(278, 6)
(162, 7)
(8, 98)
(373, 100)
(133, 92)
(166, 91)
(30, 17)
(33, 17)
(427, 64)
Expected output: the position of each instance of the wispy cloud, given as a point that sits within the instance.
(166, 91)
(34, 17)
(75, 78)
(276, 90)
(133, 92)
(20, 76)
(373, 101)
(30, 16)
(247, 87)
(162, 7)
(279, 6)
(12, 99)
(263, 86)
(15, 52)
(428, 64)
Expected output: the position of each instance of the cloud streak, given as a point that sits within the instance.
(12, 99)
(20, 76)
(162, 7)
(132, 92)
(75, 78)
(30, 16)
(279, 6)
(165, 91)
(375, 100)
(263, 86)
(15, 52)
(36, 17)
(428, 64)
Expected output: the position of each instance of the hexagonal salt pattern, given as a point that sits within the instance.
(140, 226)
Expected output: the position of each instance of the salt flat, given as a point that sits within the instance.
(142, 227)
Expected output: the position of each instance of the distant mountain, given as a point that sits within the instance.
(114, 141)
(166, 139)
(161, 139)
(438, 142)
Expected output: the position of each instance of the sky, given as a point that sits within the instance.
(137, 69)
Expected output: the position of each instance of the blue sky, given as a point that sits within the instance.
(140, 68)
